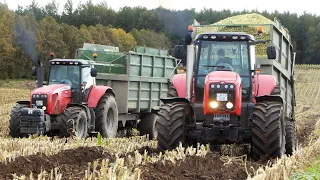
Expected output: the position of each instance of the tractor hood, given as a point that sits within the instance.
(222, 76)
(52, 89)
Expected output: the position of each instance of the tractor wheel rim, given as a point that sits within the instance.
(110, 120)
(80, 126)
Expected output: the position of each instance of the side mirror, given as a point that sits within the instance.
(271, 51)
(93, 72)
(179, 51)
(188, 38)
(34, 71)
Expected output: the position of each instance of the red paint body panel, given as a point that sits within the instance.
(223, 77)
(266, 85)
(59, 96)
(179, 82)
(95, 94)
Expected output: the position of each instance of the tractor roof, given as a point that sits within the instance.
(227, 34)
(80, 61)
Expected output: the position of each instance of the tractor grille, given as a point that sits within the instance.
(216, 88)
(39, 100)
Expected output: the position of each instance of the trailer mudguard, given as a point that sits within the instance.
(96, 93)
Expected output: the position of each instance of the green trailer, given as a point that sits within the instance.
(139, 79)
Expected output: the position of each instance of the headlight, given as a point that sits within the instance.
(226, 86)
(229, 105)
(214, 104)
(212, 86)
(231, 86)
(44, 108)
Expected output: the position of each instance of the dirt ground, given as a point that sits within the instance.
(72, 162)
(208, 167)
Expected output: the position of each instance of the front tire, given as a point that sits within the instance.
(14, 122)
(171, 125)
(268, 131)
(73, 121)
(107, 116)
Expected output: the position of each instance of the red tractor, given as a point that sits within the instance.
(223, 99)
(71, 103)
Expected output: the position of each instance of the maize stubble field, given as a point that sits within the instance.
(138, 158)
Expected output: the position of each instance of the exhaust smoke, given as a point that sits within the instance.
(26, 41)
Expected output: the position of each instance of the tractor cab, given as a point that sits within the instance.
(77, 73)
(223, 52)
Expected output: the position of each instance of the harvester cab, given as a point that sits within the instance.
(222, 98)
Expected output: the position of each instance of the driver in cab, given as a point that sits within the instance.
(224, 62)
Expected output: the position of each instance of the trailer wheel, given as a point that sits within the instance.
(268, 131)
(14, 122)
(171, 125)
(291, 137)
(147, 125)
(172, 92)
(73, 122)
(107, 116)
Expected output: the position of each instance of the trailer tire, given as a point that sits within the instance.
(171, 125)
(107, 116)
(268, 123)
(172, 92)
(14, 122)
(73, 122)
(147, 125)
(291, 137)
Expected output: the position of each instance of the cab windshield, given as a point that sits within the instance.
(65, 74)
(223, 56)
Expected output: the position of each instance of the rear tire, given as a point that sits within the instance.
(268, 131)
(107, 116)
(291, 137)
(73, 122)
(147, 125)
(171, 125)
(14, 122)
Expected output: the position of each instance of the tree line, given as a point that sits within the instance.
(32, 32)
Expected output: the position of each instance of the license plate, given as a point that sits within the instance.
(222, 97)
(39, 103)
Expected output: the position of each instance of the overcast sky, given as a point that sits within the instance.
(235, 5)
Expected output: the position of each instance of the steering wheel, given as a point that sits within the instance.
(226, 65)
(66, 81)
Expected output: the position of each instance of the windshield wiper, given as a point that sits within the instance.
(215, 66)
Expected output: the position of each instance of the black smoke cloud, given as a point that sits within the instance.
(176, 22)
(26, 41)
